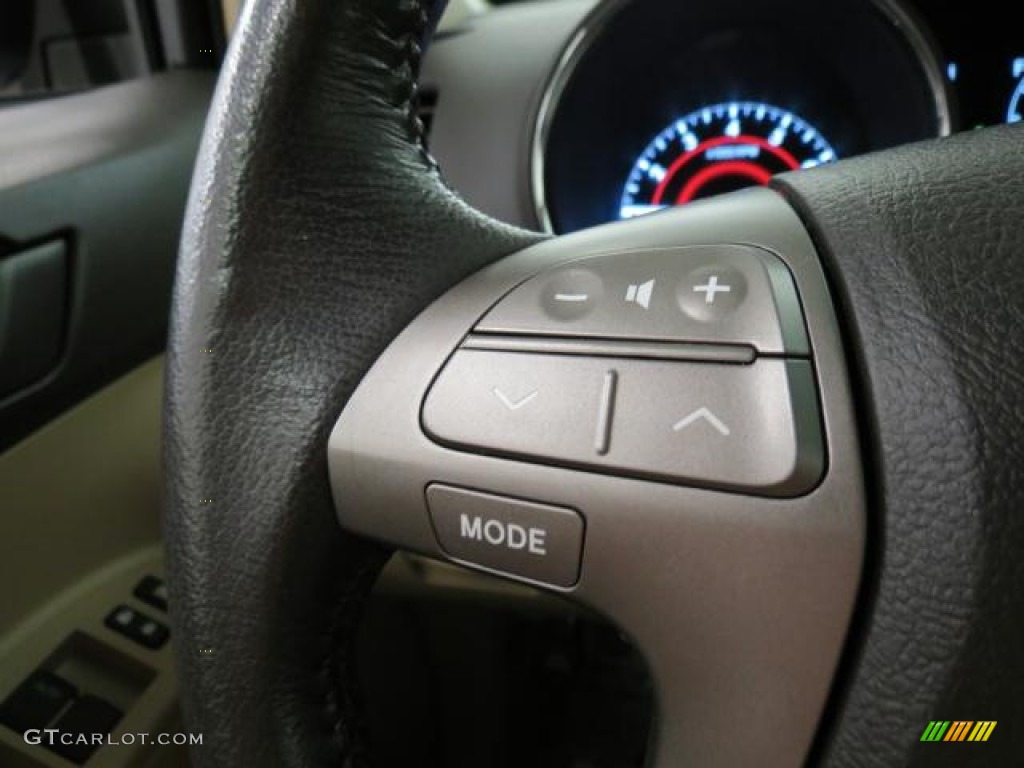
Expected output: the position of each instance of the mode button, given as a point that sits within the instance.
(534, 541)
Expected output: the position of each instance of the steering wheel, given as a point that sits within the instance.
(819, 553)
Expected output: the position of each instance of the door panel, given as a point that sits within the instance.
(104, 174)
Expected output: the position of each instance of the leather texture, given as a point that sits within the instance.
(317, 228)
(924, 248)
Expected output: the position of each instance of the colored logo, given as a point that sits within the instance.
(958, 730)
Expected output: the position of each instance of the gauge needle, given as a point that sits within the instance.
(632, 211)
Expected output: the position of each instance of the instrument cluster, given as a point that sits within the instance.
(658, 103)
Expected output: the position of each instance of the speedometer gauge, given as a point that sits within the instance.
(718, 149)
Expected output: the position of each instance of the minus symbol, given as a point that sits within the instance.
(572, 297)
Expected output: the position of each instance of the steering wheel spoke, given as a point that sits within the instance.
(572, 418)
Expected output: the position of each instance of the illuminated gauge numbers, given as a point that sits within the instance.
(1015, 113)
(719, 149)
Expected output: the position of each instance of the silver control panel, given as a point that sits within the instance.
(653, 418)
(752, 427)
(687, 365)
(723, 294)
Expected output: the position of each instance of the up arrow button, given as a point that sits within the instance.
(705, 415)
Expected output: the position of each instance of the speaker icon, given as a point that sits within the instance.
(640, 293)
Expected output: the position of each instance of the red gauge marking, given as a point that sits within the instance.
(732, 168)
(704, 146)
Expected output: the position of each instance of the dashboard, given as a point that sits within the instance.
(618, 109)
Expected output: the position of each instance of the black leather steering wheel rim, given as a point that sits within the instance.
(312, 182)
(318, 227)
(922, 246)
